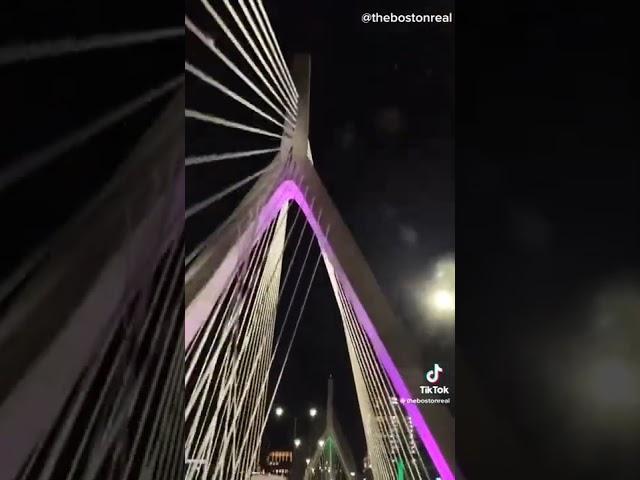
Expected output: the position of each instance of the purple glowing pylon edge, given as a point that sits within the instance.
(289, 190)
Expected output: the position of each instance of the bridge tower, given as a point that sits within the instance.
(384, 359)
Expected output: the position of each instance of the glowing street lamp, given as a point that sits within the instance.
(308, 460)
(279, 411)
(297, 442)
(321, 443)
(313, 412)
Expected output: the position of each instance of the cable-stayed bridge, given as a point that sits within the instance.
(247, 283)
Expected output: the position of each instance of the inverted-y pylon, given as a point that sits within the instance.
(340, 462)
(387, 362)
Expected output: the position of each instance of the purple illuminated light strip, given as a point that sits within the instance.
(289, 190)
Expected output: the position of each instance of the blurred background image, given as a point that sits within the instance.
(92, 202)
(548, 237)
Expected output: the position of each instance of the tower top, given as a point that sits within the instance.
(302, 75)
(330, 400)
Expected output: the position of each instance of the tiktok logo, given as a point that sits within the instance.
(434, 375)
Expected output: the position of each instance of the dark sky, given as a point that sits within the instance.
(381, 137)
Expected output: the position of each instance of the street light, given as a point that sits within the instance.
(297, 442)
(353, 474)
(279, 411)
(313, 412)
(321, 443)
(308, 460)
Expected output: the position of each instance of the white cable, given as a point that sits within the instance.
(276, 45)
(371, 372)
(384, 386)
(168, 461)
(27, 267)
(71, 416)
(209, 43)
(277, 249)
(210, 364)
(217, 157)
(247, 278)
(215, 348)
(250, 361)
(244, 54)
(197, 207)
(263, 189)
(356, 362)
(122, 348)
(275, 349)
(156, 450)
(273, 56)
(66, 46)
(227, 123)
(100, 451)
(175, 357)
(295, 330)
(289, 102)
(40, 158)
(246, 271)
(269, 308)
(214, 83)
(254, 324)
(380, 386)
(382, 465)
(243, 268)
